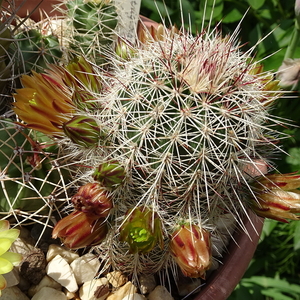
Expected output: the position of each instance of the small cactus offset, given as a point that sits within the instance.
(90, 27)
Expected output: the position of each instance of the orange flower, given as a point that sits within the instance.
(44, 103)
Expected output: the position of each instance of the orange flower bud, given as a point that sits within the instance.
(191, 247)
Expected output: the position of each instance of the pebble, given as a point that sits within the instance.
(188, 285)
(45, 282)
(33, 265)
(123, 291)
(134, 296)
(60, 271)
(49, 293)
(147, 283)
(13, 293)
(116, 278)
(12, 278)
(97, 289)
(160, 293)
(85, 267)
(54, 250)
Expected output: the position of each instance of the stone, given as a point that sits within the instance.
(49, 293)
(22, 246)
(116, 278)
(54, 250)
(127, 289)
(147, 283)
(96, 289)
(13, 293)
(160, 293)
(45, 282)
(85, 267)
(32, 267)
(12, 278)
(188, 286)
(134, 296)
(60, 271)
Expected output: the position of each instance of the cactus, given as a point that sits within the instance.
(90, 27)
(30, 175)
(33, 51)
(177, 129)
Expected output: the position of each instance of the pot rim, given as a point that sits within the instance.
(223, 280)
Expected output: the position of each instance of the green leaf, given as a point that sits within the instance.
(256, 4)
(234, 15)
(297, 236)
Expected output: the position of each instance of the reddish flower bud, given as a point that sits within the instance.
(93, 199)
(191, 247)
(110, 174)
(79, 230)
(141, 230)
(277, 197)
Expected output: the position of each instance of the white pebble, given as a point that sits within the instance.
(96, 289)
(49, 293)
(123, 291)
(67, 254)
(134, 296)
(45, 282)
(60, 271)
(116, 278)
(160, 293)
(85, 267)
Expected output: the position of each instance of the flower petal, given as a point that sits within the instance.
(4, 245)
(5, 266)
(12, 257)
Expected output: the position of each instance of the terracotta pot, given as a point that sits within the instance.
(221, 282)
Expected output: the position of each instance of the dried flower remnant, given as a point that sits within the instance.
(79, 230)
(277, 197)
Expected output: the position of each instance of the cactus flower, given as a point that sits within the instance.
(44, 103)
(7, 259)
(83, 131)
(191, 247)
(277, 197)
(79, 230)
(93, 199)
(110, 174)
(141, 230)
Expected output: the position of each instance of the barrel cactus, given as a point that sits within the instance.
(173, 134)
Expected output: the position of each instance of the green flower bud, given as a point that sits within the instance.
(141, 230)
(83, 131)
(110, 174)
